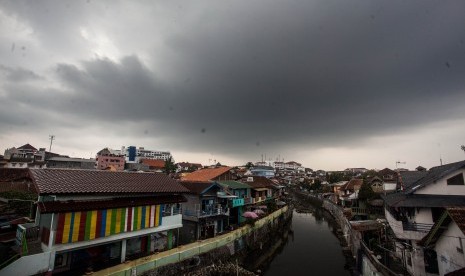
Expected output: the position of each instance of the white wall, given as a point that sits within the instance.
(441, 187)
(423, 215)
(449, 259)
(28, 265)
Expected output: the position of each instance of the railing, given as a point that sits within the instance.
(168, 212)
(30, 230)
(248, 200)
(374, 261)
(419, 227)
(359, 211)
(206, 213)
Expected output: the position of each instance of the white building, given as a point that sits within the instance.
(412, 212)
(134, 154)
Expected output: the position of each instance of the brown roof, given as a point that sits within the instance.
(64, 181)
(352, 184)
(28, 146)
(206, 174)
(154, 163)
(198, 187)
(259, 182)
(69, 206)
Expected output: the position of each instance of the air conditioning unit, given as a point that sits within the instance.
(250, 179)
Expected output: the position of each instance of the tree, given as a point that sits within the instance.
(249, 165)
(335, 177)
(169, 166)
(366, 193)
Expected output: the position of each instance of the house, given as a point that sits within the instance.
(25, 156)
(110, 158)
(206, 212)
(265, 171)
(350, 192)
(418, 205)
(292, 165)
(155, 165)
(90, 219)
(70, 163)
(446, 241)
(187, 167)
(389, 178)
(261, 187)
(237, 205)
(210, 174)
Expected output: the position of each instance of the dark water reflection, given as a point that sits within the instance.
(312, 249)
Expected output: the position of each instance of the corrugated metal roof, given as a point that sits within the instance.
(234, 184)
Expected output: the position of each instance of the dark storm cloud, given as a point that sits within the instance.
(247, 77)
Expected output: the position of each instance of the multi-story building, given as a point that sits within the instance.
(88, 219)
(411, 212)
(108, 158)
(70, 163)
(134, 154)
(25, 156)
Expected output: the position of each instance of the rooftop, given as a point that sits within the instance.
(64, 181)
(206, 174)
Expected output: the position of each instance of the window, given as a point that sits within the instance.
(456, 180)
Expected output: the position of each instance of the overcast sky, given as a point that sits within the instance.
(330, 84)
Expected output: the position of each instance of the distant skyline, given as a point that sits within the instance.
(331, 85)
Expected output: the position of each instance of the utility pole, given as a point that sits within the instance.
(51, 137)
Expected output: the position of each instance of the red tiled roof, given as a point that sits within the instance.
(351, 184)
(69, 206)
(205, 174)
(154, 163)
(64, 181)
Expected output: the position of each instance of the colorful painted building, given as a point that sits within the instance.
(87, 220)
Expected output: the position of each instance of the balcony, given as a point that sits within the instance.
(407, 230)
(248, 200)
(208, 212)
(237, 202)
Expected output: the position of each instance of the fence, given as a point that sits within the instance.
(188, 251)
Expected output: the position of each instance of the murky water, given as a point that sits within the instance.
(312, 249)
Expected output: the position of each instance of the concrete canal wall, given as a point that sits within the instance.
(203, 252)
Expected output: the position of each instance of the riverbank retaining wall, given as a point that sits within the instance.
(185, 257)
(367, 263)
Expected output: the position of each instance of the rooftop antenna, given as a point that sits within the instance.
(51, 137)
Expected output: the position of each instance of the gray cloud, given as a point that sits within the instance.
(247, 78)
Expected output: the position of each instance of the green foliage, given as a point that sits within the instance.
(366, 193)
(370, 174)
(316, 186)
(335, 177)
(17, 206)
(249, 165)
(169, 166)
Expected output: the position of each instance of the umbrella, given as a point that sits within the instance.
(280, 203)
(250, 215)
(262, 207)
(259, 212)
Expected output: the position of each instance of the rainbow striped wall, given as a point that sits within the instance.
(84, 226)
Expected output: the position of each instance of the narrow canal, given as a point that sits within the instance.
(310, 248)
